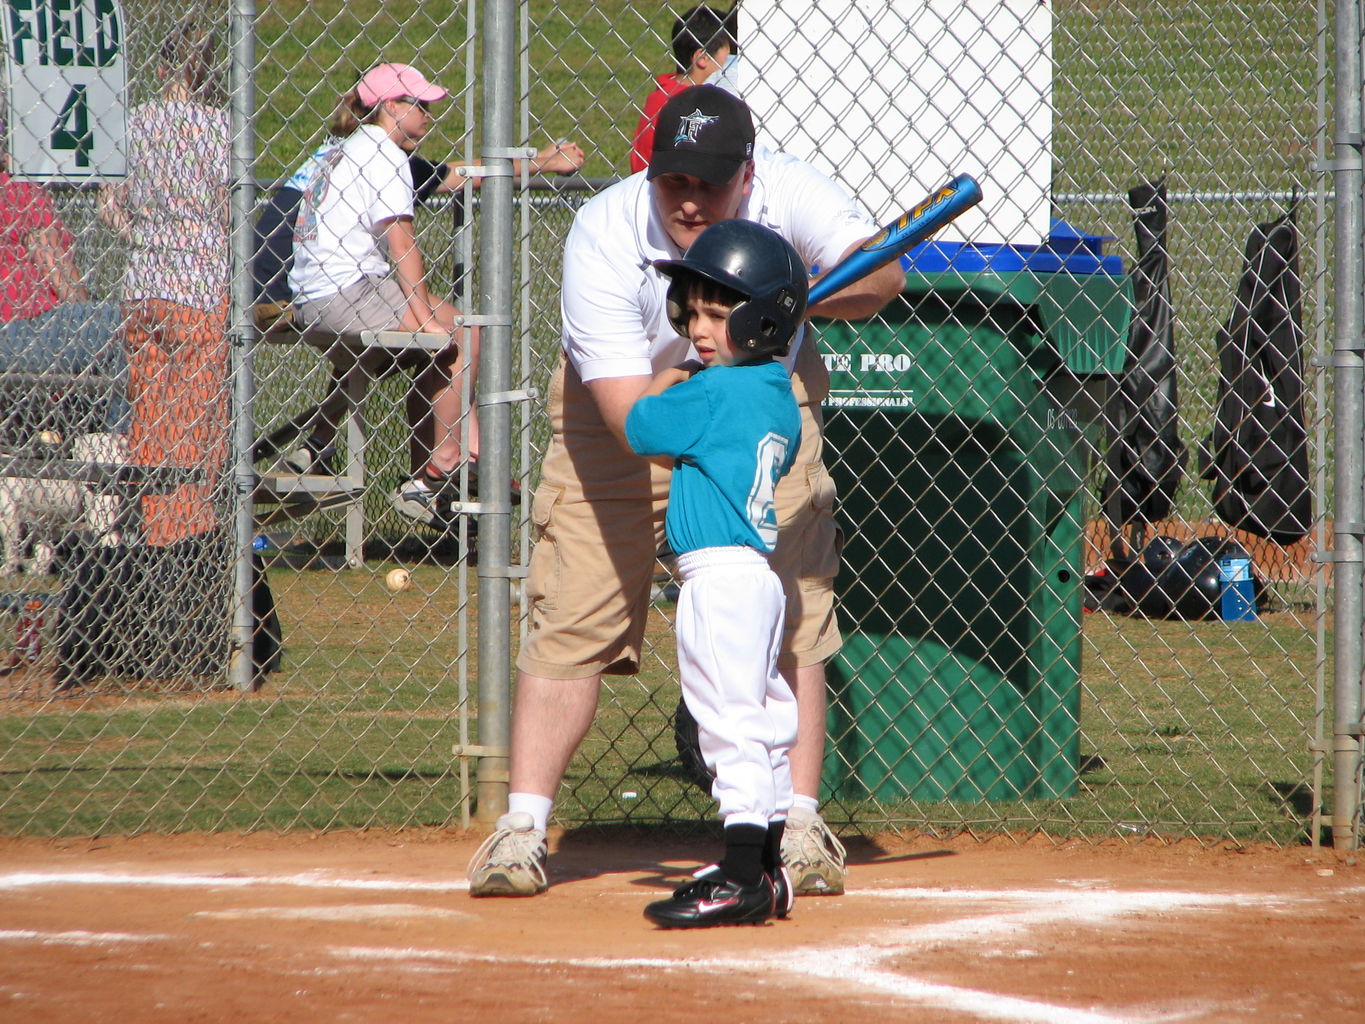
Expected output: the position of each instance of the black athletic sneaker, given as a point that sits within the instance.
(783, 896)
(711, 899)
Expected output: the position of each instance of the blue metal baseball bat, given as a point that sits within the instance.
(912, 227)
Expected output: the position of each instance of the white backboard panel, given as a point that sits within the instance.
(894, 97)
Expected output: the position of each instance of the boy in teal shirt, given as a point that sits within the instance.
(732, 430)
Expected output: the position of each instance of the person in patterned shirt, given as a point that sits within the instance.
(172, 209)
(159, 599)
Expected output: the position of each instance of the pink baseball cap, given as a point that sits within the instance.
(394, 81)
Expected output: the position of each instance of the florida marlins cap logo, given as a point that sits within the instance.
(689, 126)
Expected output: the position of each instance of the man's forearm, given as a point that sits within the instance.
(614, 397)
(865, 297)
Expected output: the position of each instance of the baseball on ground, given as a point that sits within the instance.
(398, 579)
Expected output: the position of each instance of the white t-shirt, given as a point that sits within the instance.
(356, 186)
(613, 302)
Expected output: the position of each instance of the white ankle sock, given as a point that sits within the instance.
(538, 807)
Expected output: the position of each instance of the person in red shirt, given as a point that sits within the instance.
(49, 323)
(37, 273)
(703, 40)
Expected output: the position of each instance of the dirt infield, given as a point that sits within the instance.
(380, 928)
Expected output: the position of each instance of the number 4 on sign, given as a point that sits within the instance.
(71, 130)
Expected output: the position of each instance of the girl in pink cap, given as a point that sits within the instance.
(357, 267)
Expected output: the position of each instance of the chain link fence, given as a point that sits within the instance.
(1020, 655)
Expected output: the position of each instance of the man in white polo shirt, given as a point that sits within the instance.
(599, 510)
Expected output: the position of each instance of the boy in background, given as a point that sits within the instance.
(703, 40)
(732, 431)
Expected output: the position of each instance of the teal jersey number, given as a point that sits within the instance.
(771, 455)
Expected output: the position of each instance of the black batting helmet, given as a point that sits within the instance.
(757, 264)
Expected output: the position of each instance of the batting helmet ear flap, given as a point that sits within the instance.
(765, 324)
(675, 302)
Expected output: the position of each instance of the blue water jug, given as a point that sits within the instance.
(1239, 589)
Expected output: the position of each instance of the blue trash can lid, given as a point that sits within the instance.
(1067, 250)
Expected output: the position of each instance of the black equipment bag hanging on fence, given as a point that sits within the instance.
(1257, 454)
(1145, 460)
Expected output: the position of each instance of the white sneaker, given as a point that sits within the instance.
(511, 862)
(812, 854)
(299, 462)
(304, 461)
(418, 501)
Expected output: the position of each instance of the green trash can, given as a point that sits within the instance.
(960, 426)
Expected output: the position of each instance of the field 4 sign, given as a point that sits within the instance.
(66, 79)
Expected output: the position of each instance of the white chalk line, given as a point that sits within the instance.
(77, 938)
(1042, 908)
(304, 880)
(352, 912)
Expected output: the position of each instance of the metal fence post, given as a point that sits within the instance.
(495, 373)
(1349, 347)
(243, 66)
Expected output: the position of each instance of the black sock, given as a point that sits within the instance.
(743, 862)
(772, 846)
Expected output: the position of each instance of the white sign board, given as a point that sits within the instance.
(65, 79)
(894, 97)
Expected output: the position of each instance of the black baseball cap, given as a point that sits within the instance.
(703, 131)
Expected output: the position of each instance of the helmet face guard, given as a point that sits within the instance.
(760, 267)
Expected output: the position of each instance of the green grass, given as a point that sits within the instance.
(360, 737)
(1187, 729)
